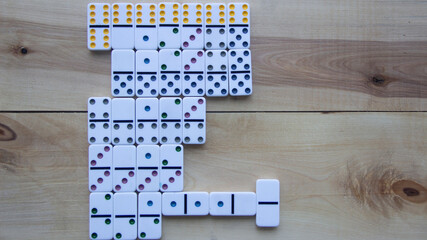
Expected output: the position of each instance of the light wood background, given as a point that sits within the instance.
(338, 115)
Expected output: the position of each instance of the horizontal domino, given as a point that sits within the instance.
(101, 215)
(100, 168)
(99, 120)
(149, 215)
(125, 215)
(98, 26)
(268, 203)
(232, 204)
(185, 204)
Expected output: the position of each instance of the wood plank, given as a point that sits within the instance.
(343, 175)
(328, 55)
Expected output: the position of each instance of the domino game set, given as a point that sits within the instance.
(165, 58)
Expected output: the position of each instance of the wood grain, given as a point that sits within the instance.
(343, 175)
(327, 55)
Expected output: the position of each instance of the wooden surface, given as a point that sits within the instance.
(338, 115)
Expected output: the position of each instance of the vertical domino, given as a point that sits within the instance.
(99, 120)
(172, 168)
(100, 215)
(185, 204)
(170, 72)
(123, 30)
(147, 65)
(147, 163)
(123, 131)
(125, 215)
(216, 26)
(216, 73)
(232, 204)
(193, 73)
(147, 120)
(150, 215)
(240, 72)
(169, 33)
(238, 25)
(124, 164)
(194, 131)
(193, 26)
(100, 164)
(98, 26)
(268, 202)
(146, 26)
(123, 73)
(170, 116)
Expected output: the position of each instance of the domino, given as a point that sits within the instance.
(193, 69)
(216, 73)
(185, 204)
(147, 162)
(172, 168)
(100, 164)
(147, 64)
(216, 26)
(240, 72)
(98, 26)
(232, 204)
(125, 215)
(123, 121)
(150, 215)
(124, 164)
(170, 116)
(170, 72)
(268, 202)
(238, 25)
(123, 30)
(194, 131)
(169, 33)
(192, 34)
(146, 26)
(147, 118)
(99, 120)
(100, 215)
(123, 73)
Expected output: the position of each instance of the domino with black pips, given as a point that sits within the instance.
(146, 26)
(194, 131)
(147, 163)
(147, 121)
(101, 215)
(125, 215)
(216, 73)
(100, 168)
(123, 115)
(170, 115)
(216, 26)
(169, 32)
(123, 29)
(123, 73)
(238, 25)
(193, 26)
(170, 72)
(268, 202)
(185, 204)
(193, 73)
(240, 72)
(232, 204)
(124, 168)
(149, 215)
(98, 26)
(147, 66)
(99, 120)
(172, 168)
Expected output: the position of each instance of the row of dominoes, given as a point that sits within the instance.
(126, 168)
(168, 25)
(171, 72)
(131, 216)
(147, 120)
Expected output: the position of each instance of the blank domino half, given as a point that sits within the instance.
(193, 26)
(149, 215)
(216, 73)
(123, 30)
(185, 204)
(169, 33)
(238, 25)
(123, 73)
(125, 215)
(146, 26)
(193, 73)
(194, 131)
(268, 202)
(216, 26)
(98, 26)
(232, 204)
(101, 215)
(147, 163)
(100, 164)
(172, 168)
(99, 120)
(124, 164)
(147, 121)
(123, 131)
(240, 72)
(147, 66)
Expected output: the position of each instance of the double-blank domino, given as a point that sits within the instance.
(100, 163)
(172, 168)
(99, 120)
(232, 204)
(192, 26)
(169, 33)
(123, 73)
(149, 215)
(147, 65)
(123, 115)
(216, 28)
(216, 73)
(125, 215)
(100, 215)
(268, 202)
(170, 115)
(240, 73)
(148, 174)
(238, 25)
(185, 204)
(194, 131)
(98, 26)
(147, 120)
(124, 164)
(146, 26)
(123, 30)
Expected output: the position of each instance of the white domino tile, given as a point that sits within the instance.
(123, 131)
(125, 215)
(240, 72)
(193, 73)
(147, 65)
(268, 203)
(149, 215)
(194, 117)
(238, 25)
(185, 204)
(148, 172)
(124, 164)
(146, 26)
(170, 72)
(169, 33)
(123, 29)
(216, 73)
(232, 204)
(172, 168)
(147, 121)
(193, 26)
(101, 215)
(123, 73)
(170, 116)
(98, 26)
(99, 120)
(216, 26)
(100, 168)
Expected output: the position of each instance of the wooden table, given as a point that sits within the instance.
(338, 115)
